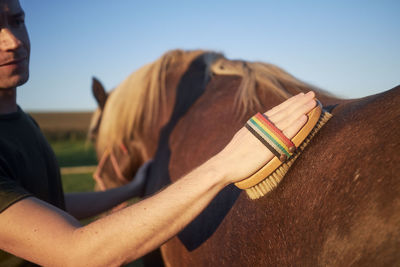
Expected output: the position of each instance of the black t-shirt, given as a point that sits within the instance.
(28, 167)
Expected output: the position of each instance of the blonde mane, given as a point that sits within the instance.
(135, 106)
(266, 78)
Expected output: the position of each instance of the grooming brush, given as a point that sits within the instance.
(268, 177)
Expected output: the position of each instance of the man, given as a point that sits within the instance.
(38, 224)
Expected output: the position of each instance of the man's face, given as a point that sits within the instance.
(14, 45)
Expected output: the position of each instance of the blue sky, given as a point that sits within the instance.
(350, 48)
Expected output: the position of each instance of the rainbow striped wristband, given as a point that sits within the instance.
(265, 131)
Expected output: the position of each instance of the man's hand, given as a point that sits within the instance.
(245, 154)
(138, 183)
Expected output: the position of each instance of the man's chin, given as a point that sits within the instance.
(13, 82)
(23, 80)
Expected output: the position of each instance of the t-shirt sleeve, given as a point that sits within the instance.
(10, 192)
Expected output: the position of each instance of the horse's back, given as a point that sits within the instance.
(338, 205)
(361, 197)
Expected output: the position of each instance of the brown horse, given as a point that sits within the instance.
(338, 205)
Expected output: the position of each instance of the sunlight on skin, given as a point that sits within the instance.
(289, 117)
(14, 54)
(29, 227)
(165, 213)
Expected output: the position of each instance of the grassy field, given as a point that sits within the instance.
(74, 153)
(63, 125)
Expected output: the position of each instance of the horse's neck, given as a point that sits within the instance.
(152, 137)
(150, 143)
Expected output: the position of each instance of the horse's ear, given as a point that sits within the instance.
(99, 93)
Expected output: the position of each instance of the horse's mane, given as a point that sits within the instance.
(134, 107)
(259, 78)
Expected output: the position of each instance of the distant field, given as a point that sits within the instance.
(72, 153)
(63, 125)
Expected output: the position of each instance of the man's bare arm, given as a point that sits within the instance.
(46, 235)
(87, 204)
(41, 233)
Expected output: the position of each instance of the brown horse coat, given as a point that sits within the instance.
(338, 205)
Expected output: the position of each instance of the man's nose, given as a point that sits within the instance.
(8, 40)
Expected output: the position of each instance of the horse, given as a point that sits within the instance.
(338, 205)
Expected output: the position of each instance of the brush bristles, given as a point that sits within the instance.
(272, 181)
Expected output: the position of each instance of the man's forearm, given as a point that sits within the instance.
(87, 204)
(112, 240)
(142, 227)
(33, 229)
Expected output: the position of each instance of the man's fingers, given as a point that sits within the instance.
(284, 105)
(293, 129)
(293, 106)
(295, 114)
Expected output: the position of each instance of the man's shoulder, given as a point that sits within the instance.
(27, 116)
